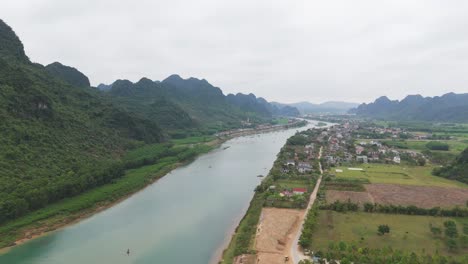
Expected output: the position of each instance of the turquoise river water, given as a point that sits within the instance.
(185, 217)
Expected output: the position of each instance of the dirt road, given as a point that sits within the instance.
(296, 252)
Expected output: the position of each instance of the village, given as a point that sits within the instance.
(364, 167)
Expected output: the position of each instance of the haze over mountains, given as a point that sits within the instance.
(448, 107)
(331, 107)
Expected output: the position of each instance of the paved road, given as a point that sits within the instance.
(296, 252)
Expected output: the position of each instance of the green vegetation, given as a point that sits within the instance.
(423, 145)
(383, 229)
(241, 241)
(265, 195)
(194, 140)
(305, 240)
(281, 121)
(457, 170)
(61, 138)
(133, 180)
(57, 140)
(385, 173)
(345, 184)
(408, 233)
(448, 107)
(68, 74)
(435, 145)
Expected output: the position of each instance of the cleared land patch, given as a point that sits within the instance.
(395, 174)
(275, 228)
(420, 196)
(355, 197)
(396, 194)
(407, 233)
(275, 234)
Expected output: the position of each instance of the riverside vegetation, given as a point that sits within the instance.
(281, 177)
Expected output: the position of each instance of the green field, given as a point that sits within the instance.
(407, 233)
(289, 183)
(193, 140)
(456, 146)
(395, 174)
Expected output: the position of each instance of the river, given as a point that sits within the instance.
(185, 217)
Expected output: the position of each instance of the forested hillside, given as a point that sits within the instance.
(448, 107)
(61, 137)
(68, 74)
(190, 106)
(458, 170)
(57, 140)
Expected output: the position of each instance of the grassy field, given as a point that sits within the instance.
(193, 140)
(281, 121)
(455, 146)
(407, 233)
(387, 173)
(289, 184)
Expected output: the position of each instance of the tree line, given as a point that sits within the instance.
(346, 206)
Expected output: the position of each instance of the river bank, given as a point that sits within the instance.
(59, 215)
(262, 224)
(210, 193)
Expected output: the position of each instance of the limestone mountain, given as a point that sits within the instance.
(448, 107)
(57, 140)
(190, 104)
(68, 74)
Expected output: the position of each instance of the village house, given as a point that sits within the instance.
(397, 159)
(359, 150)
(304, 167)
(362, 159)
(299, 190)
(290, 162)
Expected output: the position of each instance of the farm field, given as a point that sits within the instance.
(456, 146)
(407, 233)
(420, 196)
(396, 174)
(355, 197)
(289, 184)
(405, 195)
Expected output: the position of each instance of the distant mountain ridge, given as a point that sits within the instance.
(333, 107)
(195, 100)
(448, 107)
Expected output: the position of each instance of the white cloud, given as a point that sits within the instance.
(281, 50)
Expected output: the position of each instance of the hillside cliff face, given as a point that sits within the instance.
(448, 107)
(11, 46)
(57, 140)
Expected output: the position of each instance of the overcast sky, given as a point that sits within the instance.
(284, 50)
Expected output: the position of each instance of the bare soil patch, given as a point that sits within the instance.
(355, 197)
(245, 259)
(421, 196)
(275, 234)
(270, 258)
